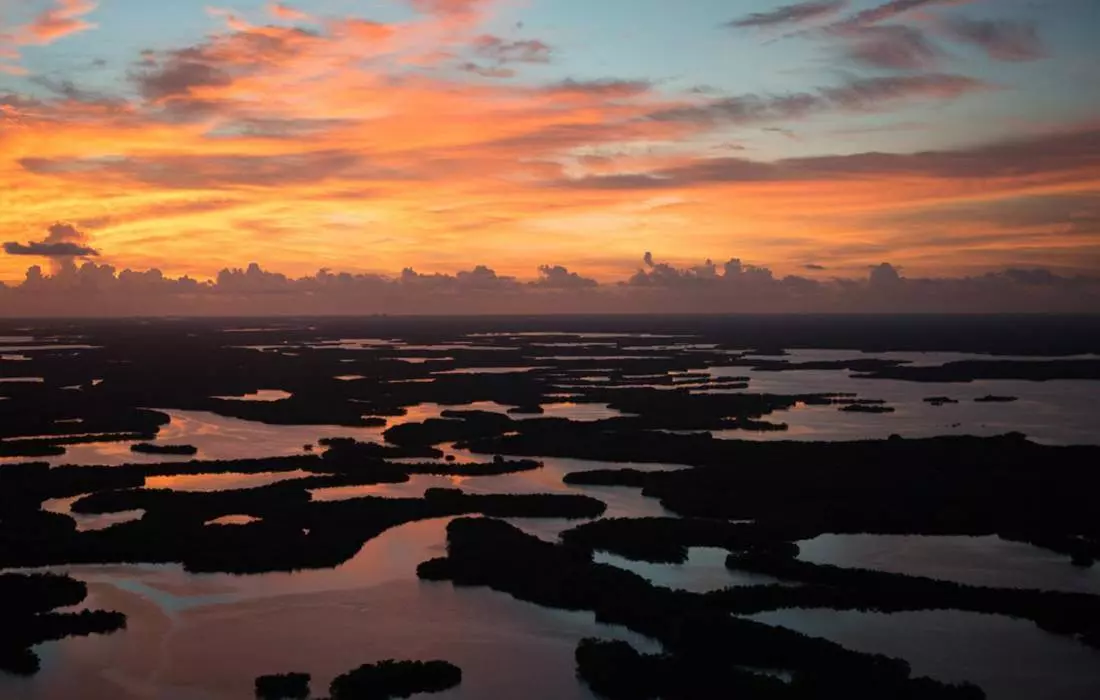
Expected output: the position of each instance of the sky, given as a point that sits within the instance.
(622, 143)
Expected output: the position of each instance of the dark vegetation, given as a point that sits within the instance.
(996, 399)
(970, 370)
(789, 491)
(395, 679)
(866, 408)
(378, 681)
(706, 648)
(27, 605)
(1006, 486)
(837, 588)
(283, 686)
(154, 449)
(292, 533)
(940, 400)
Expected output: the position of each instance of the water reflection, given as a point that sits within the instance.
(231, 520)
(977, 561)
(217, 437)
(1010, 659)
(621, 502)
(180, 628)
(489, 370)
(207, 483)
(1055, 412)
(705, 570)
(88, 522)
(263, 395)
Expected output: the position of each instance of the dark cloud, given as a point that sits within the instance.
(62, 241)
(493, 55)
(492, 71)
(889, 10)
(504, 51)
(1058, 157)
(893, 46)
(855, 95)
(228, 171)
(178, 76)
(658, 287)
(171, 78)
(608, 88)
(813, 267)
(49, 250)
(558, 277)
(884, 277)
(69, 91)
(790, 14)
(1062, 215)
(1003, 40)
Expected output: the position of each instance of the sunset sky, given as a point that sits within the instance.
(818, 139)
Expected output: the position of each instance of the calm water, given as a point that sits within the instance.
(1010, 659)
(976, 561)
(322, 622)
(705, 570)
(373, 607)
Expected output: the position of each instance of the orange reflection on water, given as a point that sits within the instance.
(220, 482)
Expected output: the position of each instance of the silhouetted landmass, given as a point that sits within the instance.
(155, 449)
(30, 448)
(866, 408)
(454, 426)
(291, 532)
(940, 486)
(283, 686)
(825, 586)
(971, 370)
(395, 679)
(616, 670)
(668, 539)
(996, 399)
(26, 605)
(854, 365)
(347, 450)
(696, 632)
(1005, 486)
(940, 400)
(534, 410)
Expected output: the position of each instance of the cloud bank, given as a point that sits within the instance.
(656, 287)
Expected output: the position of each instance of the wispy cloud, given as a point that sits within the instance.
(64, 18)
(892, 46)
(855, 95)
(787, 15)
(1003, 40)
(890, 10)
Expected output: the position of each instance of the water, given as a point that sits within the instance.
(489, 370)
(328, 621)
(263, 396)
(976, 561)
(217, 437)
(1053, 412)
(206, 483)
(90, 521)
(705, 570)
(321, 622)
(1010, 659)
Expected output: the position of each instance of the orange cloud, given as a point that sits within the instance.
(367, 146)
(282, 11)
(61, 20)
